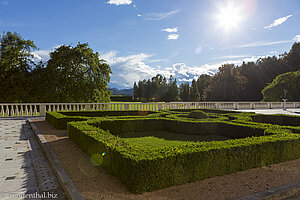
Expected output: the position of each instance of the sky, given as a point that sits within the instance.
(142, 38)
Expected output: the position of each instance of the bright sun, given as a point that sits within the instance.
(229, 17)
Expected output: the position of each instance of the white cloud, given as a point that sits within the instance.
(139, 15)
(129, 69)
(297, 38)
(245, 59)
(36, 56)
(173, 37)
(203, 47)
(43, 54)
(199, 49)
(170, 30)
(274, 52)
(119, 2)
(161, 15)
(277, 22)
(262, 43)
(232, 57)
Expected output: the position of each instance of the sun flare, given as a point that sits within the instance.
(229, 17)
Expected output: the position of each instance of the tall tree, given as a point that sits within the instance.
(288, 81)
(184, 91)
(293, 57)
(170, 90)
(135, 91)
(194, 93)
(76, 74)
(15, 67)
(227, 84)
(202, 82)
(174, 90)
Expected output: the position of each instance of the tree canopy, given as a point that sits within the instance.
(236, 83)
(77, 74)
(226, 84)
(15, 67)
(289, 81)
(73, 74)
(156, 89)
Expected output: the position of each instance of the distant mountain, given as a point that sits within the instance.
(116, 91)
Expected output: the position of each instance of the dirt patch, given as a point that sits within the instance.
(95, 183)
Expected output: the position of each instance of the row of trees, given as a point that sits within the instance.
(156, 89)
(230, 83)
(72, 74)
(246, 82)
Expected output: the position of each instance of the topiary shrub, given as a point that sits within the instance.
(198, 114)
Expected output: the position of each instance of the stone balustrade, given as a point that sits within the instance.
(40, 109)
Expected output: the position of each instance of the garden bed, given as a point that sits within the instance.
(95, 183)
(151, 163)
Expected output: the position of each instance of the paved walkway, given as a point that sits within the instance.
(24, 169)
(274, 111)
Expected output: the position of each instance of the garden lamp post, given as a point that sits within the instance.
(284, 99)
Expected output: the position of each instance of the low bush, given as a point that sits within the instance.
(60, 119)
(198, 114)
(143, 169)
(253, 142)
(286, 120)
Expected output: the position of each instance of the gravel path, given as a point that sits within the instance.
(95, 183)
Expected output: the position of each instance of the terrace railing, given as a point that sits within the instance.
(40, 109)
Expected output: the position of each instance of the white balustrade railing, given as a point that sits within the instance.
(40, 109)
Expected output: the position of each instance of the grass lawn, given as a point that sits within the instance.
(157, 139)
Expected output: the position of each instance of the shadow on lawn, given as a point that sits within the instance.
(174, 136)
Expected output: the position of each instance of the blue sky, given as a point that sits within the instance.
(140, 38)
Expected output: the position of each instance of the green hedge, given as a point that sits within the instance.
(121, 98)
(255, 142)
(143, 170)
(206, 110)
(198, 114)
(286, 120)
(60, 119)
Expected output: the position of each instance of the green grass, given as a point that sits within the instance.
(157, 139)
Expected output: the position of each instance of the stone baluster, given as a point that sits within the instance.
(35, 111)
(22, 111)
(12, 113)
(2, 111)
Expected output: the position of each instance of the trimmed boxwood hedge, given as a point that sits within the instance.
(198, 114)
(142, 170)
(286, 120)
(256, 141)
(60, 119)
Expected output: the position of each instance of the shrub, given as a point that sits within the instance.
(198, 114)
(60, 119)
(286, 120)
(141, 169)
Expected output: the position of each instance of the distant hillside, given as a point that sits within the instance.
(116, 91)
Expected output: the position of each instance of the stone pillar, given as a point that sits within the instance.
(42, 110)
(126, 106)
(87, 107)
